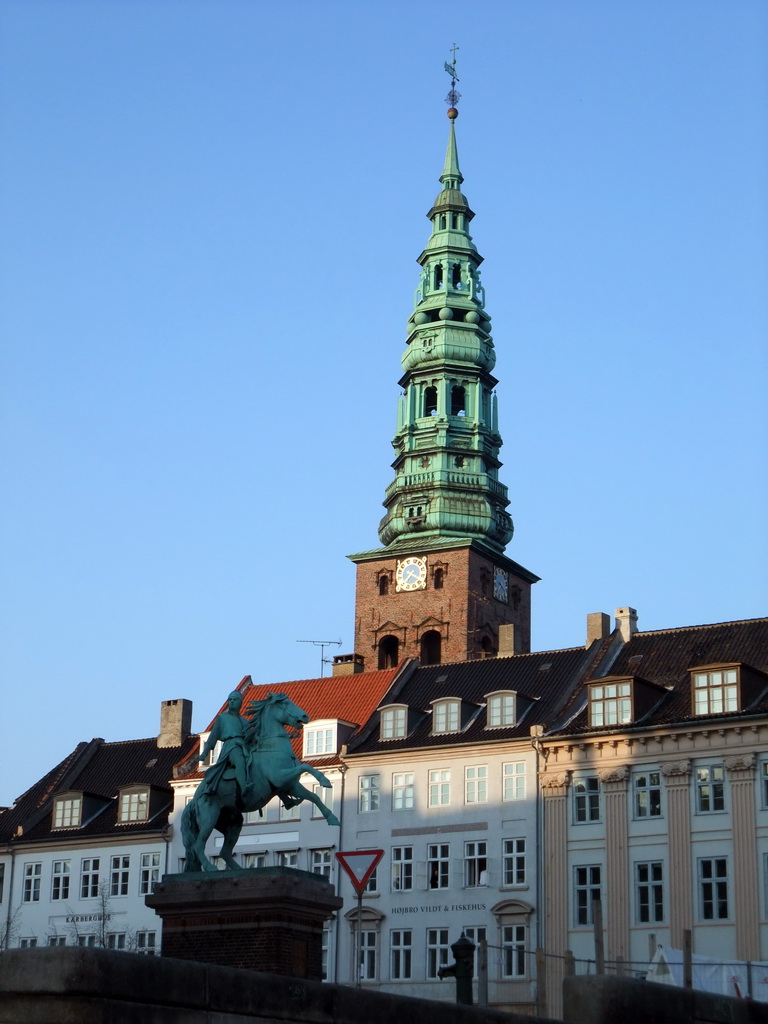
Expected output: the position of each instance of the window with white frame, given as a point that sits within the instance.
(86, 940)
(89, 878)
(393, 723)
(440, 787)
(403, 794)
(146, 942)
(117, 940)
(646, 787)
(513, 780)
(367, 951)
(475, 863)
(57, 940)
(513, 952)
(610, 704)
(586, 799)
(255, 860)
(438, 865)
(372, 885)
(320, 863)
(500, 709)
(134, 805)
(27, 943)
(710, 788)
(764, 782)
(33, 873)
(368, 793)
(149, 872)
(437, 950)
(649, 892)
(716, 692)
(476, 784)
(325, 952)
(713, 889)
(325, 795)
(2, 881)
(67, 811)
(290, 813)
(400, 954)
(319, 740)
(60, 879)
(401, 863)
(119, 872)
(587, 889)
(287, 858)
(476, 934)
(513, 861)
(446, 716)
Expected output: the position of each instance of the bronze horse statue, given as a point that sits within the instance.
(256, 763)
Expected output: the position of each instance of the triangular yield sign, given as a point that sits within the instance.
(359, 865)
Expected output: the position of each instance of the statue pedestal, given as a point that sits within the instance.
(263, 919)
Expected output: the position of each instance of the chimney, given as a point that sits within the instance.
(509, 640)
(175, 722)
(598, 627)
(626, 623)
(348, 664)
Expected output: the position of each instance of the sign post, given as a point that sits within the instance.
(359, 865)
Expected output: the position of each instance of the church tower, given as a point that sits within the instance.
(441, 587)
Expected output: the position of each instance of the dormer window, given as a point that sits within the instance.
(67, 811)
(394, 722)
(320, 739)
(134, 805)
(610, 703)
(716, 691)
(501, 709)
(446, 716)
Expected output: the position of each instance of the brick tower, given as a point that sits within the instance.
(441, 587)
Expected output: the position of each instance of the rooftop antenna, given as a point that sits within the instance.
(454, 95)
(322, 644)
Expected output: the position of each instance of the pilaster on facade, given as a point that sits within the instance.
(614, 782)
(741, 775)
(677, 778)
(555, 888)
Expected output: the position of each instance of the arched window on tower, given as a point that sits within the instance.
(430, 401)
(458, 401)
(383, 585)
(456, 276)
(431, 643)
(454, 220)
(389, 648)
(437, 579)
(438, 278)
(487, 650)
(443, 222)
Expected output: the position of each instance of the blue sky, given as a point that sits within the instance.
(211, 213)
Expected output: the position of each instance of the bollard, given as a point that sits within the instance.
(463, 954)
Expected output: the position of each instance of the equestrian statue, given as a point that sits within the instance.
(255, 763)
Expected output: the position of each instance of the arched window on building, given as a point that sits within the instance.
(389, 648)
(456, 276)
(437, 579)
(438, 276)
(383, 585)
(487, 648)
(431, 643)
(458, 401)
(430, 401)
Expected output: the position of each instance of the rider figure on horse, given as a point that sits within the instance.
(229, 728)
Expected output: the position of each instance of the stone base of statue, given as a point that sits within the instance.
(262, 919)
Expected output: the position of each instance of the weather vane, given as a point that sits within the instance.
(454, 95)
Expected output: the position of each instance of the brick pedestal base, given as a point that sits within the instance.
(263, 919)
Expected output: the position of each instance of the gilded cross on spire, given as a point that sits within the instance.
(454, 95)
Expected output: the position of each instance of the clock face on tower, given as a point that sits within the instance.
(500, 585)
(411, 574)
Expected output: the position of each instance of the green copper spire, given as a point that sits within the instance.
(446, 487)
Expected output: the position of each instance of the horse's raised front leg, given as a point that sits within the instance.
(302, 793)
